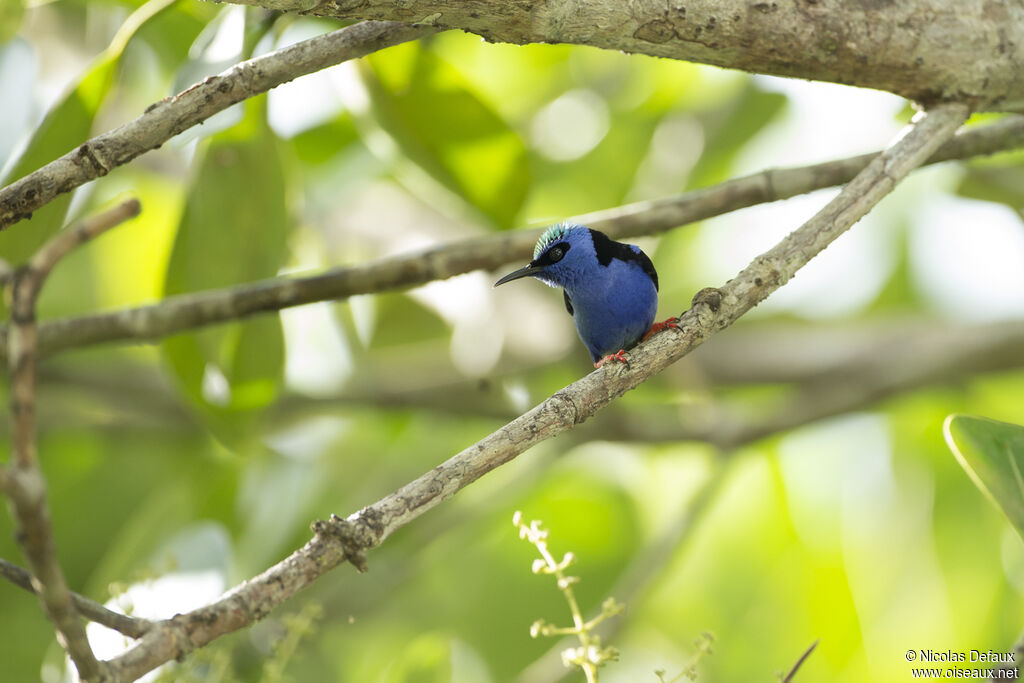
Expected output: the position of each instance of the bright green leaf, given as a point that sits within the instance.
(320, 144)
(234, 229)
(67, 125)
(1003, 184)
(427, 659)
(727, 129)
(441, 125)
(993, 454)
(11, 12)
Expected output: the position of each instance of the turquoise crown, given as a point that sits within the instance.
(552, 234)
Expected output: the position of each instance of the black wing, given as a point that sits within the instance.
(607, 249)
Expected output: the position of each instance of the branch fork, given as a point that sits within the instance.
(23, 481)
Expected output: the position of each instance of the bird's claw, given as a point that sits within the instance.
(620, 356)
(671, 323)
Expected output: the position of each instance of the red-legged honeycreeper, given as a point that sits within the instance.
(610, 288)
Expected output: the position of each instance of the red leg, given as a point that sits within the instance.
(658, 327)
(619, 356)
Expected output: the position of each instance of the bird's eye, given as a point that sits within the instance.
(556, 254)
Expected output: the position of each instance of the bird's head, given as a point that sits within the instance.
(559, 257)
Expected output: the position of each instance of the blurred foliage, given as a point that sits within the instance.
(993, 454)
(234, 229)
(208, 454)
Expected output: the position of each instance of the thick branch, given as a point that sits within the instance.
(713, 310)
(167, 118)
(190, 311)
(133, 627)
(924, 50)
(23, 480)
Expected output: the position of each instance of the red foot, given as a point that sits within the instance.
(658, 327)
(619, 356)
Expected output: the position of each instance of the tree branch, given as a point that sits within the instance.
(190, 311)
(924, 50)
(23, 480)
(800, 662)
(714, 309)
(165, 119)
(133, 627)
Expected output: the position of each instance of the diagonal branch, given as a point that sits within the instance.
(348, 539)
(23, 480)
(133, 627)
(713, 310)
(170, 116)
(190, 311)
(800, 662)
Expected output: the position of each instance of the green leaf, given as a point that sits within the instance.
(67, 125)
(993, 454)
(1003, 184)
(234, 229)
(441, 125)
(323, 143)
(11, 12)
(427, 659)
(727, 129)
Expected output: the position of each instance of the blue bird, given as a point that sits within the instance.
(610, 288)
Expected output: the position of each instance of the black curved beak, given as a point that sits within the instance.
(525, 271)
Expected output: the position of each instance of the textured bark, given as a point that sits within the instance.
(925, 50)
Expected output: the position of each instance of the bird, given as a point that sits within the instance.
(610, 288)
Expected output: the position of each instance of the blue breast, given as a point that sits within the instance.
(613, 306)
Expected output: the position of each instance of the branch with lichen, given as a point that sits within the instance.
(590, 655)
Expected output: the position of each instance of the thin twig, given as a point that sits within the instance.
(589, 655)
(800, 662)
(191, 311)
(644, 569)
(61, 244)
(133, 627)
(25, 484)
(169, 117)
(341, 540)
